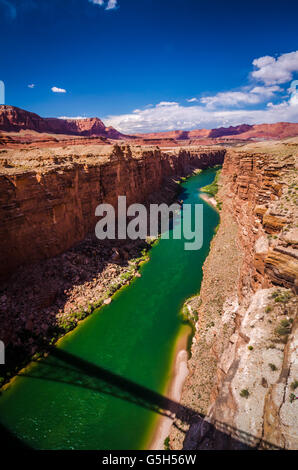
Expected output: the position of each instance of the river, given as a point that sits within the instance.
(86, 397)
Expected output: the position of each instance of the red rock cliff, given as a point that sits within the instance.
(243, 369)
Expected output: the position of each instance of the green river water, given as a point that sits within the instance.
(58, 403)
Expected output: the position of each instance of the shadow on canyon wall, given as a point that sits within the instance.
(63, 367)
(63, 283)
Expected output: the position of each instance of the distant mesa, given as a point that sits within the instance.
(13, 119)
(280, 130)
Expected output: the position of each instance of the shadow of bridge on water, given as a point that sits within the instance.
(65, 368)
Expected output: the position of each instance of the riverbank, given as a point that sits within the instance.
(173, 391)
(65, 290)
(179, 367)
(210, 200)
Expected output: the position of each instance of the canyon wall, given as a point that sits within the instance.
(48, 201)
(243, 371)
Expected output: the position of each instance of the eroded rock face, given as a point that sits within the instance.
(256, 365)
(263, 188)
(243, 369)
(48, 198)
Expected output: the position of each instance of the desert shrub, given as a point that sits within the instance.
(213, 187)
(195, 315)
(113, 289)
(67, 325)
(244, 393)
(166, 443)
(283, 328)
(97, 304)
(294, 384)
(144, 252)
(292, 397)
(281, 296)
(126, 276)
(81, 314)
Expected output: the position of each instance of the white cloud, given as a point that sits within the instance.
(294, 100)
(162, 118)
(192, 100)
(231, 98)
(111, 4)
(72, 118)
(97, 2)
(166, 104)
(266, 91)
(31, 85)
(256, 95)
(273, 71)
(58, 90)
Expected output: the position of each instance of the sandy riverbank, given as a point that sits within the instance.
(174, 389)
(209, 199)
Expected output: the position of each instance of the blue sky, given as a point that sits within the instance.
(149, 65)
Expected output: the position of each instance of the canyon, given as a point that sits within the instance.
(52, 243)
(243, 366)
(69, 184)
